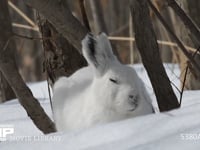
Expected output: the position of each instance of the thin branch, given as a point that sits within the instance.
(186, 19)
(23, 15)
(25, 27)
(185, 77)
(131, 35)
(35, 38)
(174, 85)
(182, 89)
(6, 44)
(179, 43)
(167, 43)
(113, 38)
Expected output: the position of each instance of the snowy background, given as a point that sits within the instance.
(174, 130)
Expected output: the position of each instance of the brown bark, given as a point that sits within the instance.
(147, 44)
(193, 9)
(10, 71)
(186, 19)
(193, 76)
(61, 58)
(6, 92)
(56, 14)
(29, 52)
(179, 43)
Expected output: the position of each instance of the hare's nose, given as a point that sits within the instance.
(133, 97)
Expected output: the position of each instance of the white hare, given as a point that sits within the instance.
(112, 92)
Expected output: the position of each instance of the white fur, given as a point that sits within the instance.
(94, 98)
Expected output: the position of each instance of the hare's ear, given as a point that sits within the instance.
(98, 52)
(105, 45)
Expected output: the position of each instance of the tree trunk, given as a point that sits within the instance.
(193, 75)
(191, 26)
(147, 44)
(193, 9)
(29, 52)
(6, 92)
(56, 14)
(10, 71)
(61, 58)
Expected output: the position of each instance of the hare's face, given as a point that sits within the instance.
(118, 89)
(113, 82)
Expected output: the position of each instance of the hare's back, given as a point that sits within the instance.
(69, 87)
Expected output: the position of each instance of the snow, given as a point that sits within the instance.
(173, 130)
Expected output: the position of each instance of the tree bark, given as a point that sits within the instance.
(10, 71)
(193, 10)
(192, 27)
(6, 92)
(147, 44)
(61, 58)
(56, 14)
(29, 56)
(179, 43)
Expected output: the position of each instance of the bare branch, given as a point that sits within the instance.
(167, 43)
(147, 45)
(62, 19)
(10, 71)
(186, 19)
(17, 25)
(179, 43)
(23, 15)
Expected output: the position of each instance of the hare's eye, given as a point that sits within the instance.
(114, 81)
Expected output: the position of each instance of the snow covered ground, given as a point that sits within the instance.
(174, 130)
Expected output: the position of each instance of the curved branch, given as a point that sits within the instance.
(62, 19)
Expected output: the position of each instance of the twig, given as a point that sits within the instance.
(49, 91)
(23, 15)
(34, 38)
(111, 38)
(45, 62)
(131, 42)
(175, 86)
(186, 19)
(25, 27)
(182, 89)
(6, 44)
(168, 43)
(179, 43)
(185, 77)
